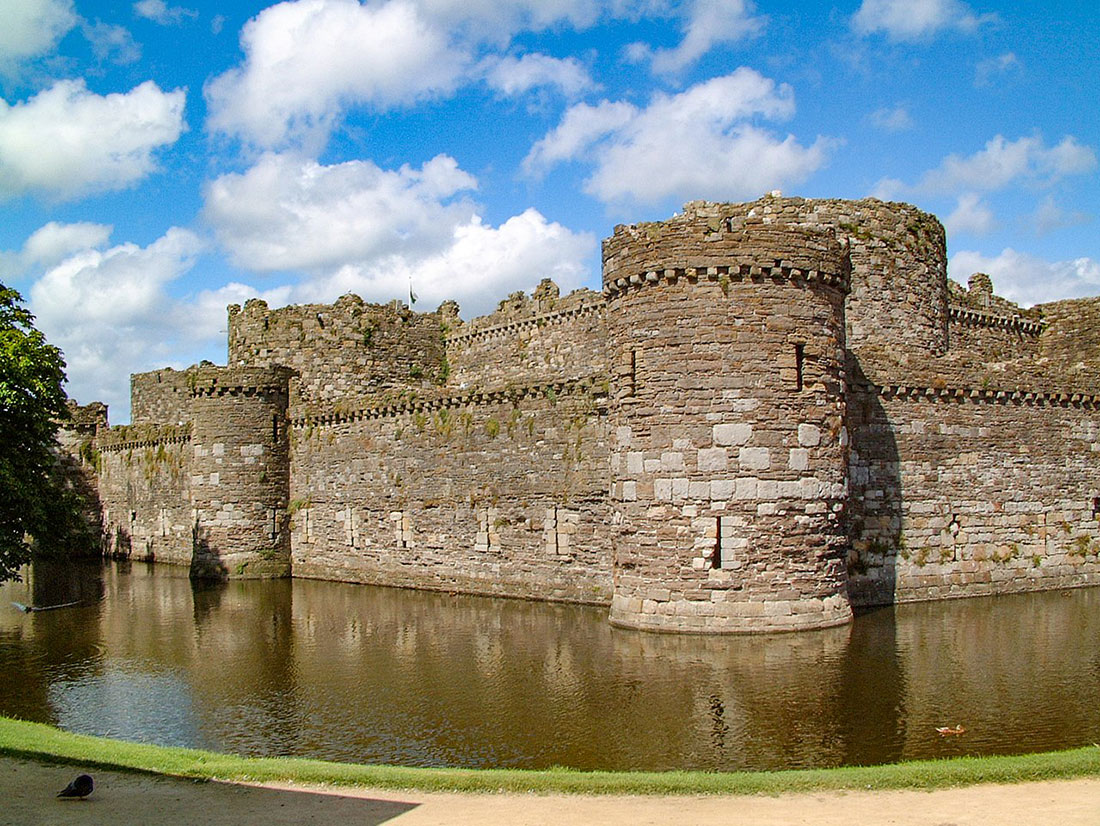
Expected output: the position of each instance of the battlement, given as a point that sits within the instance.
(237, 381)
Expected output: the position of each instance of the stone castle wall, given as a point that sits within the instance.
(774, 411)
(499, 493)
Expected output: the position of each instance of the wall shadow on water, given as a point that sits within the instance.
(875, 494)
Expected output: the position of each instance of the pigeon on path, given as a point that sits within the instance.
(81, 787)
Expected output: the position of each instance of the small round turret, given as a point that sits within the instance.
(240, 472)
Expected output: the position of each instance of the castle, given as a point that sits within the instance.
(772, 413)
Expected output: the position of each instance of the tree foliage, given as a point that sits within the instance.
(32, 403)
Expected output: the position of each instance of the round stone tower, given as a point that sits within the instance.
(728, 449)
(240, 472)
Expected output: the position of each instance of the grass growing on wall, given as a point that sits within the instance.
(41, 742)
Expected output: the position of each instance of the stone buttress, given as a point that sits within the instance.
(240, 472)
(728, 445)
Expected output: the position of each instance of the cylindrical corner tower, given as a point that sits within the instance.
(240, 469)
(729, 453)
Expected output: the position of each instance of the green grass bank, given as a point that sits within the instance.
(40, 742)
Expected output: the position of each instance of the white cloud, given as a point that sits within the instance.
(581, 126)
(701, 143)
(1028, 280)
(306, 61)
(50, 244)
(478, 265)
(1002, 162)
(160, 12)
(498, 20)
(356, 227)
(288, 213)
(66, 141)
(707, 24)
(971, 215)
(29, 28)
(110, 314)
(516, 75)
(995, 67)
(908, 20)
(891, 118)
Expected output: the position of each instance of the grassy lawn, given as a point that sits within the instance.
(37, 741)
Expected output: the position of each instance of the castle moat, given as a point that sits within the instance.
(368, 674)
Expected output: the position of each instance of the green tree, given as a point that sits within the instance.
(32, 403)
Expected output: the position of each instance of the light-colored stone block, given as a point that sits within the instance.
(799, 459)
(711, 460)
(754, 458)
(732, 434)
(809, 435)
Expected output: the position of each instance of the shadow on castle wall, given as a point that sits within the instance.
(875, 504)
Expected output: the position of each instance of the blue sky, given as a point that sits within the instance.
(160, 159)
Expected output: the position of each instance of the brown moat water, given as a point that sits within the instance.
(357, 673)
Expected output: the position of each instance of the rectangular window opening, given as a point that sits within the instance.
(799, 359)
(716, 557)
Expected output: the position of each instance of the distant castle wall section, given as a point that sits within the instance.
(144, 490)
(963, 492)
(160, 397)
(543, 337)
(338, 351)
(495, 492)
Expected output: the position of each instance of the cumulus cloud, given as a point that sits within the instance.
(908, 20)
(706, 24)
(891, 119)
(703, 142)
(109, 312)
(1002, 162)
(478, 265)
(356, 227)
(581, 126)
(498, 20)
(1028, 280)
(50, 244)
(29, 28)
(971, 215)
(516, 75)
(160, 12)
(306, 61)
(66, 141)
(288, 212)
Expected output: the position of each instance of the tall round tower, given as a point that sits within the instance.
(728, 451)
(240, 472)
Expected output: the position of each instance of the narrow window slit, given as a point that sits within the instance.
(799, 358)
(716, 557)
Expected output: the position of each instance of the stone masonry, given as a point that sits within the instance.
(773, 412)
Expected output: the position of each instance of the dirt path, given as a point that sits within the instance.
(27, 791)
